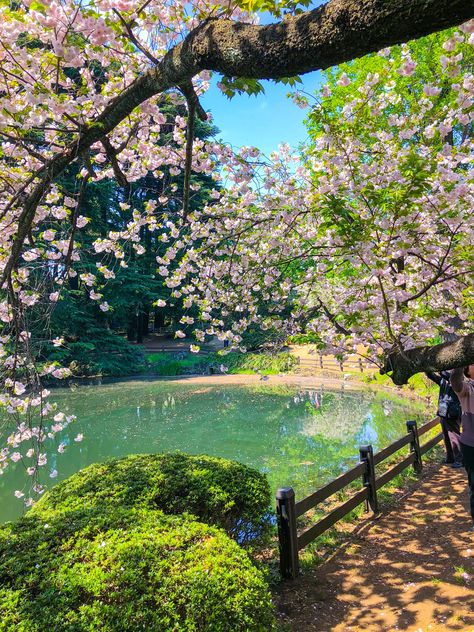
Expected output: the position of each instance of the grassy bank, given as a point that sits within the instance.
(166, 364)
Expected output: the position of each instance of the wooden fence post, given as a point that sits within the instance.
(415, 445)
(287, 534)
(368, 479)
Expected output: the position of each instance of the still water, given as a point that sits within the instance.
(300, 437)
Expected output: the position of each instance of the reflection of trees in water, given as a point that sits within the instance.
(368, 433)
(302, 437)
(337, 415)
(331, 434)
(168, 403)
(273, 413)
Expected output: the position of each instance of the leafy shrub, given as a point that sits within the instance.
(235, 362)
(103, 353)
(217, 491)
(125, 570)
(266, 363)
(175, 364)
(311, 338)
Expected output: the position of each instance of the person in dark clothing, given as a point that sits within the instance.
(462, 381)
(449, 411)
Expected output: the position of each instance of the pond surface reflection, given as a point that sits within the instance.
(300, 437)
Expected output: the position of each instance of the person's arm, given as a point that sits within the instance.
(434, 377)
(457, 379)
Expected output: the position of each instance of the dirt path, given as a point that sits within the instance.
(410, 570)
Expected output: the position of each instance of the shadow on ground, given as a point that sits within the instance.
(410, 570)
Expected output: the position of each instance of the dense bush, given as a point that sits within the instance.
(181, 363)
(234, 362)
(217, 491)
(126, 570)
(311, 338)
(267, 363)
(101, 352)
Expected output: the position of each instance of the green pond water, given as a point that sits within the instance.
(300, 437)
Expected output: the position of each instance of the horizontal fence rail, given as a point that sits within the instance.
(330, 363)
(288, 510)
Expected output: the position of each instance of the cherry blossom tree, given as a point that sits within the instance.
(369, 236)
(85, 84)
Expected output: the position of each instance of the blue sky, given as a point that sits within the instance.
(265, 120)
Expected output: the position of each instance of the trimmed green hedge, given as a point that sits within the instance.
(217, 491)
(127, 570)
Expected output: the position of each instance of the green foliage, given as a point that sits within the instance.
(247, 85)
(234, 362)
(266, 363)
(217, 491)
(418, 383)
(104, 353)
(369, 105)
(125, 570)
(240, 85)
(305, 339)
(277, 8)
(94, 340)
(101, 552)
(170, 365)
(291, 81)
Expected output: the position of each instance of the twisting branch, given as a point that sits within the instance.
(193, 107)
(332, 318)
(134, 39)
(191, 97)
(329, 315)
(111, 154)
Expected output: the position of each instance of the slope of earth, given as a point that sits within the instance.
(410, 570)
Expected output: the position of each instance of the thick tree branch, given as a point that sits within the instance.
(336, 32)
(448, 355)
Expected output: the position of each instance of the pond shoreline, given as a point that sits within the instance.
(299, 430)
(247, 379)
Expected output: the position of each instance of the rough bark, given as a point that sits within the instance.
(448, 355)
(338, 31)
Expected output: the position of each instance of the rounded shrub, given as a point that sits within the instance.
(217, 491)
(125, 571)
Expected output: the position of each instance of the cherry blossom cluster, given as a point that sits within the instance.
(62, 64)
(365, 240)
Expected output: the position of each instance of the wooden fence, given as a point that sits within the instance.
(332, 364)
(288, 510)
